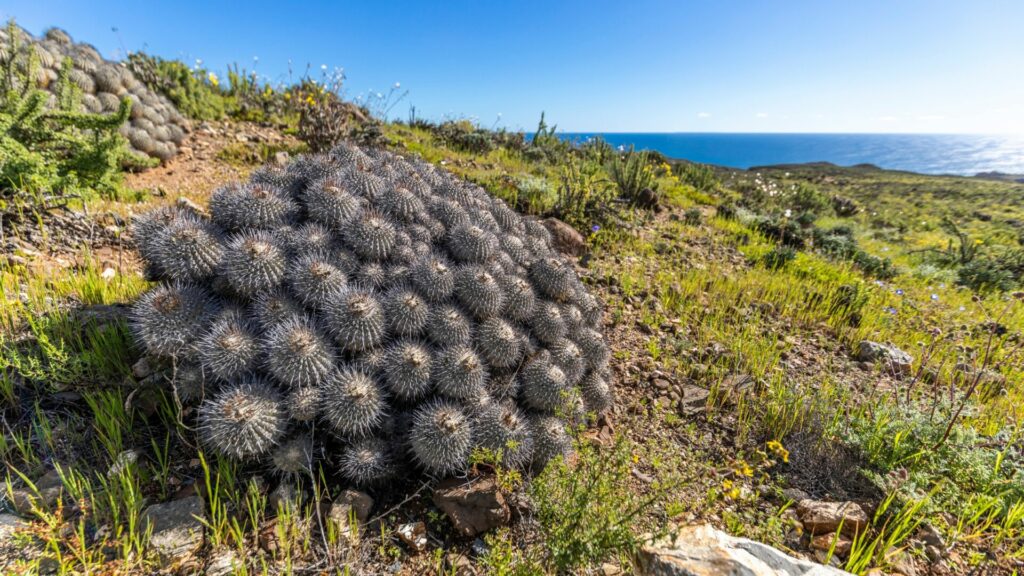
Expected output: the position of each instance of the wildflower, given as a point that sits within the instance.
(256, 59)
(935, 297)
(323, 66)
(962, 308)
(741, 468)
(899, 292)
(595, 228)
(775, 447)
(398, 85)
(788, 213)
(890, 310)
(879, 283)
(213, 79)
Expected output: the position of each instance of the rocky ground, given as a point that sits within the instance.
(797, 506)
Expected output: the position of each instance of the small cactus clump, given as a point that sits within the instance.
(372, 311)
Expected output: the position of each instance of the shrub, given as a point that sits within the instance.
(49, 155)
(807, 199)
(385, 299)
(634, 178)
(984, 274)
(692, 217)
(778, 257)
(196, 92)
(782, 230)
(585, 196)
(872, 265)
(700, 176)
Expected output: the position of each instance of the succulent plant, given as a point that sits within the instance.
(358, 305)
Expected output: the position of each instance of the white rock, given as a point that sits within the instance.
(705, 551)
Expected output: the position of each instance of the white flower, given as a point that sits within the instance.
(398, 85)
(323, 66)
(788, 213)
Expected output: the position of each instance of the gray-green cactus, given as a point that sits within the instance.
(321, 306)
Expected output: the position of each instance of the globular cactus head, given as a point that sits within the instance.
(244, 420)
(359, 308)
(441, 438)
(368, 461)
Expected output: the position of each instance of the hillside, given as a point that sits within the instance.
(786, 342)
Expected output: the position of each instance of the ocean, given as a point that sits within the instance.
(924, 153)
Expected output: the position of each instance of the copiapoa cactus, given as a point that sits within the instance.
(373, 312)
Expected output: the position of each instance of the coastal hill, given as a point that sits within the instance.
(821, 359)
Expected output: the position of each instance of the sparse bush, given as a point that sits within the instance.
(872, 265)
(50, 155)
(195, 92)
(634, 177)
(778, 257)
(984, 274)
(585, 196)
(402, 308)
(700, 176)
(692, 217)
(782, 230)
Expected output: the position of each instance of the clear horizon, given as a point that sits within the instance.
(803, 67)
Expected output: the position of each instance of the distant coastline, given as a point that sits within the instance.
(987, 156)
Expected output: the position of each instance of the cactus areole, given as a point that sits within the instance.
(372, 311)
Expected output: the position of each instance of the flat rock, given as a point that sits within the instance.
(565, 238)
(176, 529)
(892, 359)
(473, 506)
(820, 517)
(414, 535)
(704, 551)
(44, 497)
(8, 524)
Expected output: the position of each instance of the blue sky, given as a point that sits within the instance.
(727, 65)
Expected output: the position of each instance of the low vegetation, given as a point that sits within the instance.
(737, 302)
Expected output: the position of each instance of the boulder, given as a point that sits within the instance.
(565, 238)
(45, 495)
(820, 517)
(177, 531)
(704, 551)
(892, 359)
(359, 502)
(473, 506)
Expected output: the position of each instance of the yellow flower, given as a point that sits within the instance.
(741, 468)
(775, 447)
(213, 79)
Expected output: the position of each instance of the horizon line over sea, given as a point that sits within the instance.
(926, 153)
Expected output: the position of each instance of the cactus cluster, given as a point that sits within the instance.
(373, 311)
(155, 128)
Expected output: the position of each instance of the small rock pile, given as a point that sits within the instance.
(155, 128)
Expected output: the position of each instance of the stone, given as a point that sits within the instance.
(565, 238)
(281, 158)
(188, 204)
(177, 531)
(221, 563)
(648, 198)
(931, 536)
(9, 523)
(123, 461)
(459, 564)
(414, 535)
(474, 506)
(142, 368)
(341, 515)
(101, 315)
(44, 497)
(360, 502)
(704, 551)
(892, 359)
(820, 517)
(843, 544)
(286, 495)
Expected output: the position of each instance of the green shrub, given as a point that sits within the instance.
(778, 257)
(782, 230)
(196, 92)
(588, 511)
(632, 174)
(700, 176)
(806, 199)
(50, 155)
(872, 265)
(584, 195)
(692, 217)
(984, 274)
